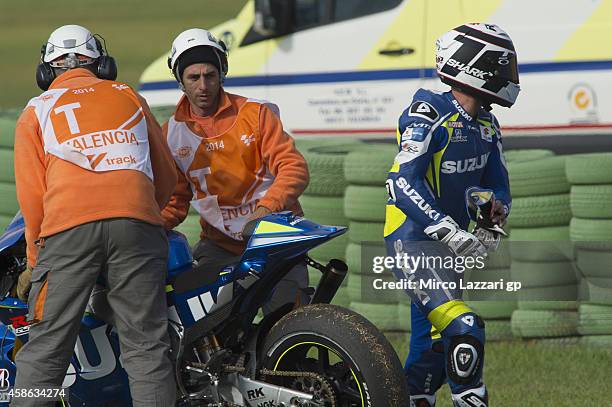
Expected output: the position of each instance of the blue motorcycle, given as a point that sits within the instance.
(304, 355)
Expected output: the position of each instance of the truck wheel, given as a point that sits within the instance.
(354, 362)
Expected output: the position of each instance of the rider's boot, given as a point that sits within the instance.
(476, 397)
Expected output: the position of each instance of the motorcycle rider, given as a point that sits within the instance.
(449, 142)
(234, 161)
(92, 173)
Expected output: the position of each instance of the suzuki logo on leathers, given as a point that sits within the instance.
(467, 165)
(416, 198)
(462, 112)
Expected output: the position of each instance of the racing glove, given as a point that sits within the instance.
(488, 227)
(500, 213)
(461, 242)
(489, 239)
(259, 212)
(24, 284)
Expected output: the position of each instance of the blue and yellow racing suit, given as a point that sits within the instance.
(442, 152)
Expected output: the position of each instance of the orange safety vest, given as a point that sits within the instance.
(227, 174)
(100, 127)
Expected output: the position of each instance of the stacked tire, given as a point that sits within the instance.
(162, 113)
(542, 258)
(494, 306)
(8, 196)
(323, 200)
(591, 233)
(365, 170)
(191, 227)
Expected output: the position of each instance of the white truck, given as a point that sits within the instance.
(352, 66)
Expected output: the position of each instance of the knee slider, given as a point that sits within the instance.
(464, 358)
(465, 351)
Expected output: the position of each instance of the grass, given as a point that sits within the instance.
(540, 374)
(136, 32)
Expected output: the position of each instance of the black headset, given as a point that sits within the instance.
(107, 66)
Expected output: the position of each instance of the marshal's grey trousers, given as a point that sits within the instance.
(131, 256)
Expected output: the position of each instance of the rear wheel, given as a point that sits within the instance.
(336, 355)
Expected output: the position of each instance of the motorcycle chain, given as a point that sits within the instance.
(282, 373)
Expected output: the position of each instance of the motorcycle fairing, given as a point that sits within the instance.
(13, 232)
(274, 238)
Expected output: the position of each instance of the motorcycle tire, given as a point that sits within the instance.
(356, 363)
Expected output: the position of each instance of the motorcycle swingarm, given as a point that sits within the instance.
(254, 393)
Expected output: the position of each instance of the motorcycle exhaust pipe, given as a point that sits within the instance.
(333, 275)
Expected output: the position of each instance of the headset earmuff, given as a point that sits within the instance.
(107, 66)
(174, 71)
(44, 72)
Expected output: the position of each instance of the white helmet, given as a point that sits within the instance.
(197, 37)
(71, 39)
(480, 60)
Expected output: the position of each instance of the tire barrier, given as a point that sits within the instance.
(591, 179)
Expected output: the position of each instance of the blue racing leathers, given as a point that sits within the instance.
(442, 152)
